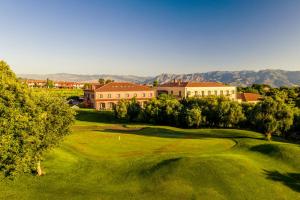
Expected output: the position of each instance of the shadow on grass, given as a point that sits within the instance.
(167, 133)
(88, 115)
(268, 149)
(292, 180)
(162, 164)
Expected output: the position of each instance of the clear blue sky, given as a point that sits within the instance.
(148, 37)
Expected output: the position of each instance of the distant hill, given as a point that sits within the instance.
(275, 78)
(84, 78)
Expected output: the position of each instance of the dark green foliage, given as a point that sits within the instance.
(130, 110)
(296, 123)
(108, 81)
(133, 110)
(155, 83)
(163, 110)
(101, 81)
(49, 83)
(217, 112)
(271, 116)
(120, 110)
(30, 123)
(191, 117)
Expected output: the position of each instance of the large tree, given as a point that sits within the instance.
(272, 116)
(30, 124)
(191, 117)
(120, 109)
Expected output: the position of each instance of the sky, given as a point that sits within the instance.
(149, 37)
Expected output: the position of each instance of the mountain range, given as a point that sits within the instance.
(275, 78)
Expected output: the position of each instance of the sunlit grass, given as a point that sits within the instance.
(104, 159)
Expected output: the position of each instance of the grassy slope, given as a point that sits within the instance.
(65, 93)
(103, 160)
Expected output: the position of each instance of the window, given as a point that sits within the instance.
(189, 93)
(135, 94)
(221, 92)
(118, 95)
(109, 96)
(101, 96)
(227, 92)
(171, 92)
(150, 94)
(196, 93)
(203, 93)
(144, 94)
(179, 93)
(127, 95)
(216, 92)
(232, 92)
(209, 93)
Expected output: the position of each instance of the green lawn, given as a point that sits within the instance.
(106, 160)
(65, 93)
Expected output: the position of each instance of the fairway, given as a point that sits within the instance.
(104, 159)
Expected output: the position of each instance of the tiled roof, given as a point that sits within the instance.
(193, 84)
(121, 86)
(205, 84)
(249, 97)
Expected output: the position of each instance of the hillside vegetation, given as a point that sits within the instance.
(104, 159)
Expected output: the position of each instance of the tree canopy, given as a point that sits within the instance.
(30, 124)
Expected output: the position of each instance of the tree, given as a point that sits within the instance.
(120, 109)
(229, 113)
(191, 117)
(271, 116)
(53, 121)
(248, 113)
(101, 81)
(49, 83)
(30, 124)
(133, 110)
(163, 110)
(155, 83)
(217, 111)
(108, 81)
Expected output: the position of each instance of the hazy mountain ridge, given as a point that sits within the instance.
(275, 78)
(84, 78)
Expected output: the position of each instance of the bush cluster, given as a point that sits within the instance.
(270, 116)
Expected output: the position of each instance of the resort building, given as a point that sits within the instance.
(249, 97)
(197, 89)
(103, 97)
(56, 84)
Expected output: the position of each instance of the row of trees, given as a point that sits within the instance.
(102, 81)
(290, 95)
(270, 116)
(30, 124)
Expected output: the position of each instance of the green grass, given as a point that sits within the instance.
(65, 93)
(104, 159)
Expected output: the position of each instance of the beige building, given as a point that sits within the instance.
(197, 89)
(103, 97)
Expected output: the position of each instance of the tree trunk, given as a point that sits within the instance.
(268, 136)
(39, 169)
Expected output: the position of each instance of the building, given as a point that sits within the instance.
(103, 97)
(249, 97)
(56, 84)
(197, 89)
